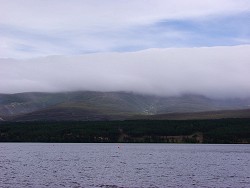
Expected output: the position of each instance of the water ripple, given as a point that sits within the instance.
(133, 166)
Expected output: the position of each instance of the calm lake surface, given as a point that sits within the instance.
(124, 165)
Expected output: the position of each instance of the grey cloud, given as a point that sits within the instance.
(210, 71)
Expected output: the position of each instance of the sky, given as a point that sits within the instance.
(39, 35)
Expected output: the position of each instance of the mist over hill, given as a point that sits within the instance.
(152, 81)
(214, 72)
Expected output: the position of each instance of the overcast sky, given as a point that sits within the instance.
(132, 45)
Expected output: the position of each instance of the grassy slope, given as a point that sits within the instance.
(221, 114)
(103, 105)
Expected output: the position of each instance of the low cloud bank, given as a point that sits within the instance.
(211, 71)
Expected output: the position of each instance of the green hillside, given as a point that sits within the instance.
(86, 105)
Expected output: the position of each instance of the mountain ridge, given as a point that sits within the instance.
(93, 105)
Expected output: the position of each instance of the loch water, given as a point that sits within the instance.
(123, 165)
